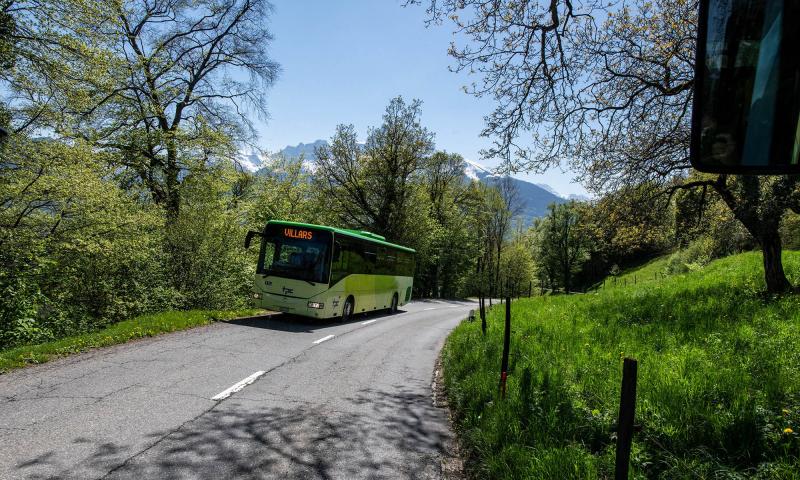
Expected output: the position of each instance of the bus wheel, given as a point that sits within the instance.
(393, 308)
(347, 310)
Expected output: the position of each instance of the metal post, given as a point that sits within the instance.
(627, 406)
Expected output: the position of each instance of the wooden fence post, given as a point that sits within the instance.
(506, 345)
(627, 407)
(482, 306)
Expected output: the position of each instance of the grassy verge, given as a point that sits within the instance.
(139, 327)
(650, 272)
(718, 391)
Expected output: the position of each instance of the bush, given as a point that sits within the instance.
(95, 254)
(790, 231)
(695, 256)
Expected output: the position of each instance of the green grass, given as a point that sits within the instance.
(719, 379)
(139, 327)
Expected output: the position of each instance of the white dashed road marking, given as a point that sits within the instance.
(429, 308)
(237, 386)
(323, 339)
(369, 321)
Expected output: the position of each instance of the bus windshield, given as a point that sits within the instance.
(295, 253)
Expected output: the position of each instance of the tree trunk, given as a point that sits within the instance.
(773, 263)
(173, 200)
(760, 214)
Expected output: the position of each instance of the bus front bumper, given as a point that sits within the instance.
(293, 305)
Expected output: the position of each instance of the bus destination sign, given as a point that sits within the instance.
(297, 233)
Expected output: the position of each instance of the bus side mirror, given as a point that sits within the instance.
(746, 115)
(249, 238)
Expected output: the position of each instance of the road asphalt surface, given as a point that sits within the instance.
(315, 399)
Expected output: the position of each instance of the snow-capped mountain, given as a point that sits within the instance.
(304, 149)
(548, 188)
(475, 171)
(251, 160)
(578, 197)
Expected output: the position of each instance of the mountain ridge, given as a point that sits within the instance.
(534, 198)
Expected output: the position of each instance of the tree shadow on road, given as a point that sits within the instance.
(389, 433)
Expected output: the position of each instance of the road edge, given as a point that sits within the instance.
(452, 461)
(74, 354)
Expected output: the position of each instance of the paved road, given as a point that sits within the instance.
(356, 405)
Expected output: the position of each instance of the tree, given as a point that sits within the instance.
(503, 209)
(166, 83)
(283, 190)
(561, 245)
(607, 89)
(629, 224)
(369, 186)
(517, 264)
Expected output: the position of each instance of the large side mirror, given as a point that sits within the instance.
(746, 116)
(249, 238)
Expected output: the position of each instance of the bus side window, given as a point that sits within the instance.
(382, 267)
(356, 260)
(337, 252)
(390, 262)
(371, 259)
(401, 263)
(405, 264)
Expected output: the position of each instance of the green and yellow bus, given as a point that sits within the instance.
(326, 272)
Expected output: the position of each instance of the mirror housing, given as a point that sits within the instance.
(746, 115)
(249, 238)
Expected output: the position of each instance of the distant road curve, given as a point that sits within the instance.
(259, 398)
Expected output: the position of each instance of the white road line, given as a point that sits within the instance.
(429, 308)
(369, 321)
(324, 339)
(237, 386)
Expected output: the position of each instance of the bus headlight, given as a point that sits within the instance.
(316, 305)
(256, 296)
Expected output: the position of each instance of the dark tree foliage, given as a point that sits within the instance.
(369, 186)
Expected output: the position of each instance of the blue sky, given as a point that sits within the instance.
(343, 61)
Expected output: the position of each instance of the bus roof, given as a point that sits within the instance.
(360, 234)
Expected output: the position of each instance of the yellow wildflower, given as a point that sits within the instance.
(788, 430)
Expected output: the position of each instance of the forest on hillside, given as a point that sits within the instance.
(122, 195)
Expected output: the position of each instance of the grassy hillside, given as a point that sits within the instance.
(719, 379)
